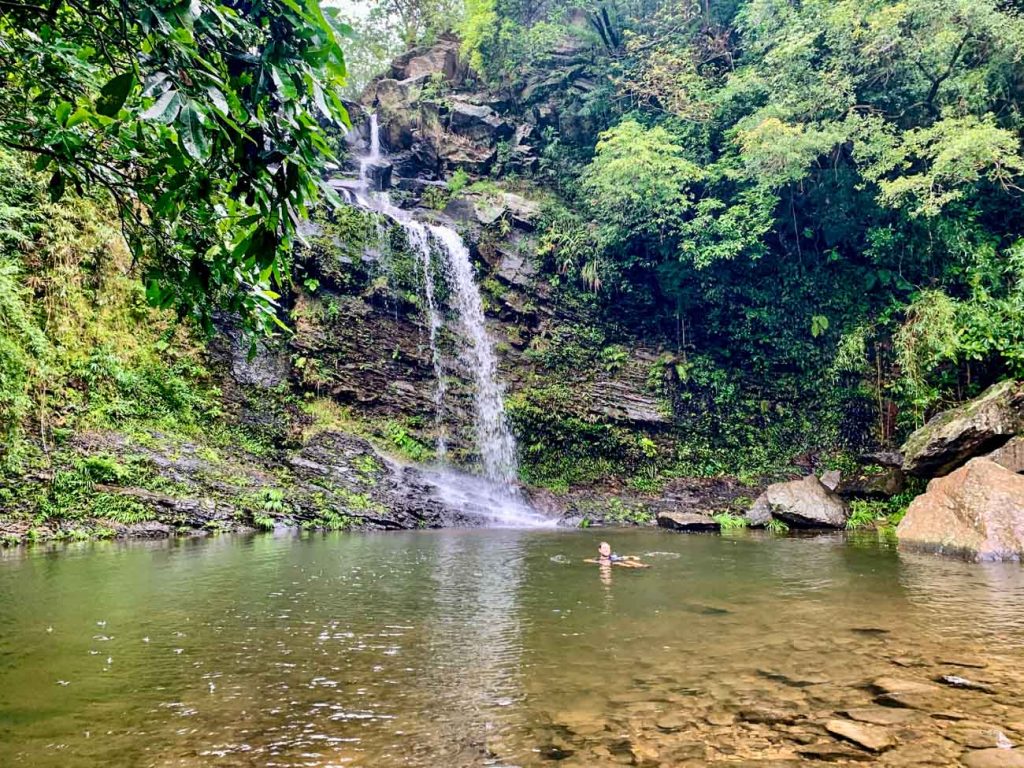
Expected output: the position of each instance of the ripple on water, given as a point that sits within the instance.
(479, 648)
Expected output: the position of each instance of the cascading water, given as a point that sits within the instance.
(372, 157)
(492, 496)
(420, 242)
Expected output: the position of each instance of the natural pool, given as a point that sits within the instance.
(501, 648)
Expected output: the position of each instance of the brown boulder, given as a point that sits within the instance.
(1010, 455)
(975, 512)
(805, 503)
(952, 437)
(441, 59)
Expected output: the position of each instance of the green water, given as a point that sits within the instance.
(489, 647)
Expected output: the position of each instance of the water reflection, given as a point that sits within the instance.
(476, 648)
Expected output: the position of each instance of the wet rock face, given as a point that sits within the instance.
(429, 115)
(805, 503)
(442, 58)
(876, 485)
(952, 437)
(976, 512)
(379, 176)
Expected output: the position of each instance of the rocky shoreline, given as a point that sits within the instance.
(334, 481)
(331, 479)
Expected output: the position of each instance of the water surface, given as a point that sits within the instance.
(492, 648)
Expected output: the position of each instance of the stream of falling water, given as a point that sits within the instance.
(494, 494)
(495, 443)
(419, 239)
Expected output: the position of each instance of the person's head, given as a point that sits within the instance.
(605, 549)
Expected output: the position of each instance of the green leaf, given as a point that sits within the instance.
(114, 94)
(62, 112)
(80, 116)
(192, 135)
(165, 109)
(219, 101)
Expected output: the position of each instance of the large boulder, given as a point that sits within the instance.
(802, 503)
(1010, 455)
(477, 122)
(975, 512)
(439, 60)
(952, 437)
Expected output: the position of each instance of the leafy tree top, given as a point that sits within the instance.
(203, 120)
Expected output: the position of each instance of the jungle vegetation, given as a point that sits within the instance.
(201, 121)
(814, 208)
(819, 201)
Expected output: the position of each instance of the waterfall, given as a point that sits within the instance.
(372, 157)
(495, 444)
(419, 239)
(493, 496)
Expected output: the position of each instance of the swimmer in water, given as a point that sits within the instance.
(605, 554)
(605, 558)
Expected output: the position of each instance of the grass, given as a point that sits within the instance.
(874, 513)
(729, 522)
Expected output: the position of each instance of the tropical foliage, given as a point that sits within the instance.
(797, 193)
(201, 120)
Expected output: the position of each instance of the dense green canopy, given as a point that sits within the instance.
(815, 189)
(202, 119)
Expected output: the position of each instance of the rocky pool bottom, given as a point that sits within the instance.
(502, 648)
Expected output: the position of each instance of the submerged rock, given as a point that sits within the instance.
(994, 758)
(979, 736)
(955, 681)
(869, 737)
(832, 752)
(900, 685)
(976, 512)
(802, 503)
(952, 437)
(908, 694)
(880, 715)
